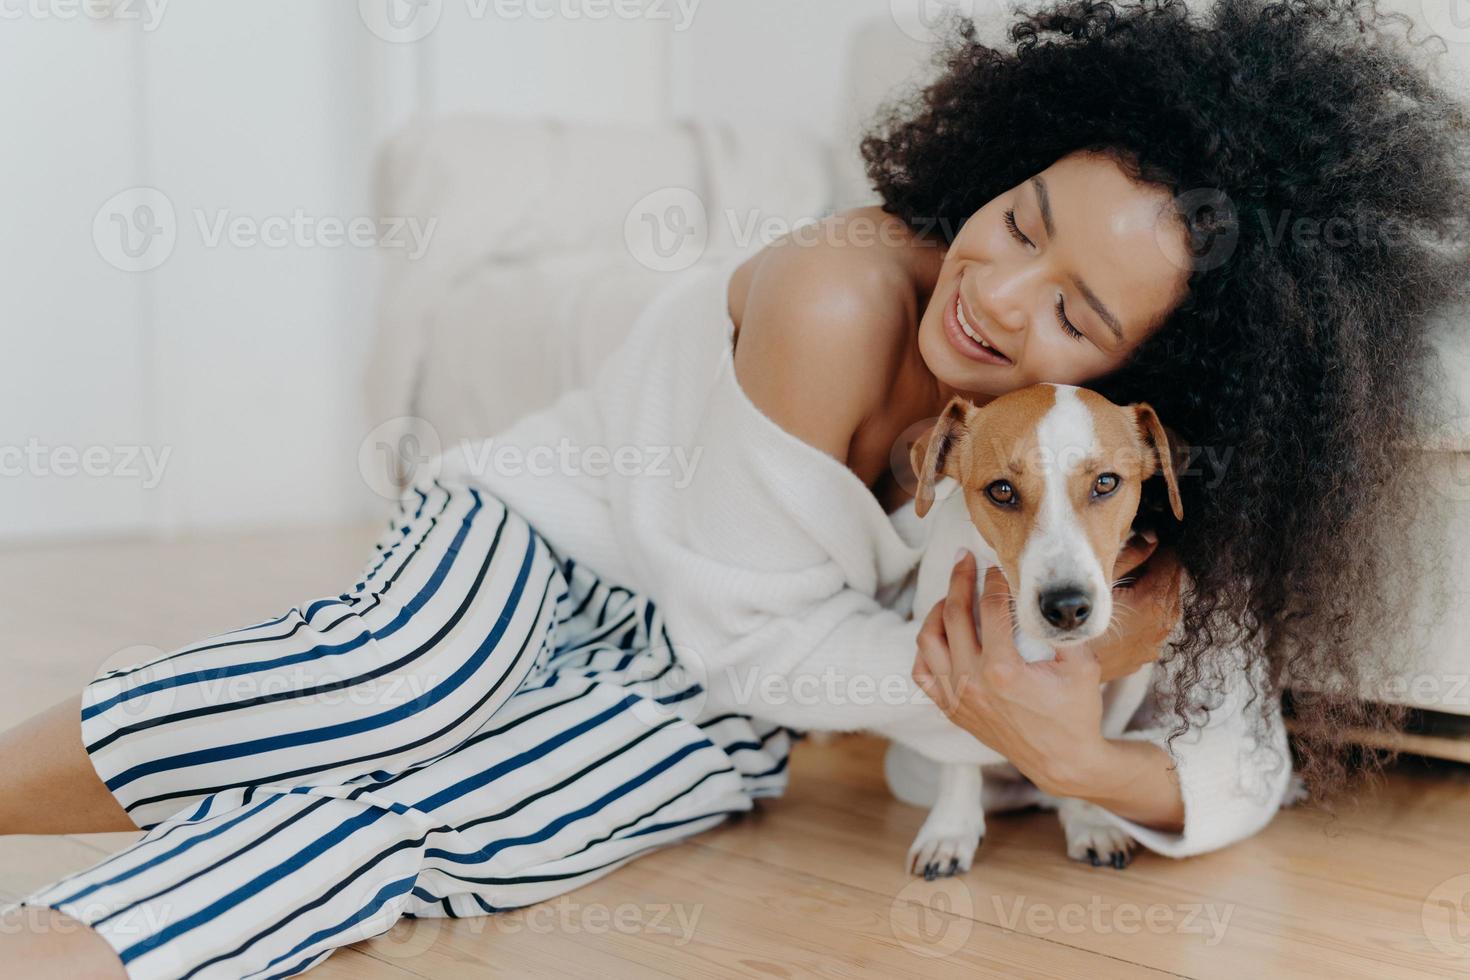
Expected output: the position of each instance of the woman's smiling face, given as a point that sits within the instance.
(1060, 278)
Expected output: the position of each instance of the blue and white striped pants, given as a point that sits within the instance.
(478, 725)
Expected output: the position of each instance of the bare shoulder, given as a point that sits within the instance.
(822, 319)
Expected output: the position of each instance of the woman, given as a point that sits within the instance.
(557, 722)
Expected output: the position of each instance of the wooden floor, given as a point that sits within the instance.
(811, 885)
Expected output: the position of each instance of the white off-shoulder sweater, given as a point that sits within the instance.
(778, 572)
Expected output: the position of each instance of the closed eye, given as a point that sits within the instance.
(1015, 229)
(1020, 236)
(1071, 331)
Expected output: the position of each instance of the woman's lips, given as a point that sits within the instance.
(955, 323)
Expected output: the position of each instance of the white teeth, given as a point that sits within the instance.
(970, 332)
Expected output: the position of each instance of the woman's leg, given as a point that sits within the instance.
(242, 755)
(601, 754)
(43, 943)
(47, 782)
(453, 610)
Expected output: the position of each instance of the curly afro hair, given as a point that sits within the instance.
(1320, 175)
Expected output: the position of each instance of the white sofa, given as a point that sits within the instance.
(531, 277)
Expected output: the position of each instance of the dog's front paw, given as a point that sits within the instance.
(1092, 837)
(941, 851)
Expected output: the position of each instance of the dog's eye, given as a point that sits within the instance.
(1002, 493)
(1105, 484)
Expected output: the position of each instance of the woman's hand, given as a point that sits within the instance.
(1045, 717)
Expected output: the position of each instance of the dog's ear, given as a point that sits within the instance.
(1156, 437)
(936, 454)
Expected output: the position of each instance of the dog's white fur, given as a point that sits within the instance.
(1057, 553)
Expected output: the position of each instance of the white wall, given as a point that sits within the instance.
(238, 363)
(74, 342)
(234, 364)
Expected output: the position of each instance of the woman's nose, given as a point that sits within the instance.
(1006, 300)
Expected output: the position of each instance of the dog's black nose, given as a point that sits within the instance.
(1065, 608)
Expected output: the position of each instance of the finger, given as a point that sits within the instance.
(932, 669)
(1080, 658)
(932, 633)
(960, 629)
(997, 631)
(933, 649)
(924, 666)
(938, 692)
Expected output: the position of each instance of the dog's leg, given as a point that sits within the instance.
(952, 833)
(1092, 837)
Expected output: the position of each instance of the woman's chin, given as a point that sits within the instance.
(974, 384)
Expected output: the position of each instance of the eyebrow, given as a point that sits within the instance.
(1043, 201)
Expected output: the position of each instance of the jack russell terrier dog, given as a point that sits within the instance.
(1051, 476)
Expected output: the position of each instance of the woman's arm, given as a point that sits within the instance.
(1218, 782)
(1233, 768)
(1135, 780)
